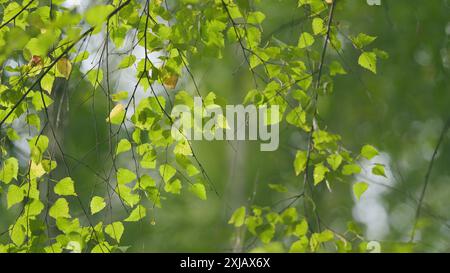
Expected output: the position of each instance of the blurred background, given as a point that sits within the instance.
(401, 111)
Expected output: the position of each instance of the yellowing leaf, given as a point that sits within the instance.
(117, 114)
(64, 67)
(36, 170)
(170, 82)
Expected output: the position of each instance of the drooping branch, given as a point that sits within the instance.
(41, 76)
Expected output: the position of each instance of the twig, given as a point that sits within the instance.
(427, 177)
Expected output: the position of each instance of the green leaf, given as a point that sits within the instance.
(368, 151)
(336, 68)
(60, 209)
(199, 190)
(267, 234)
(95, 76)
(317, 25)
(81, 57)
(47, 82)
(34, 120)
(359, 188)
(102, 247)
(97, 204)
(167, 172)
(127, 62)
(301, 228)
(362, 40)
(137, 214)
(368, 60)
(125, 176)
(278, 187)
(115, 230)
(319, 173)
(173, 187)
(127, 195)
(34, 208)
(9, 170)
(145, 181)
(299, 246)
(297, 117)
(305, 40)
(17, 233)
(255, 17)
(350, 169)
(65, 187)
(325, 236)
(378, 169)
(123, 146)
(289, 216)
(334, 161)
(38, 145)
(380, 53)
(98, 14)
(15, 195)
(300, 162)
(238, 217)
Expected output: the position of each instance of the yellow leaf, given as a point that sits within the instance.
(170, 81)
(36, 170)
(117, 114)
(64, 67)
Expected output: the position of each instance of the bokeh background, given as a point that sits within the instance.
(401, 111)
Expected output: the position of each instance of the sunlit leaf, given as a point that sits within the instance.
(97, 204)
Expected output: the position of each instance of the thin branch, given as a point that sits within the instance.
(316, 97)
(427, 177)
